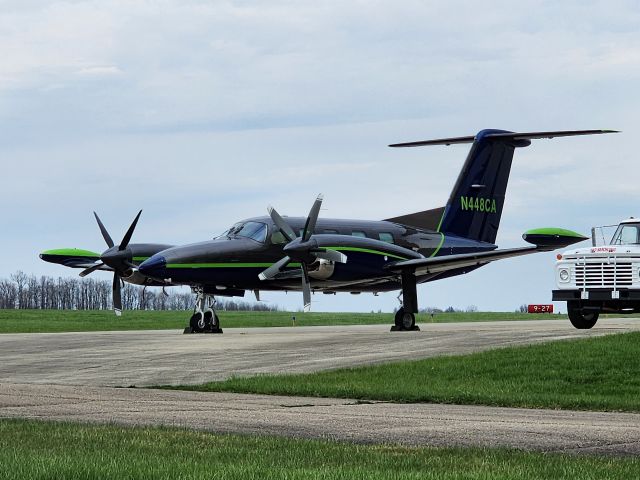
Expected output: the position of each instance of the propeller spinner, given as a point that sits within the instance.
(118, 257)
(303, 249)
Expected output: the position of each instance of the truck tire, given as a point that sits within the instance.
(579, 318)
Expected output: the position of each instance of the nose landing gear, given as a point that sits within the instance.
(204, 318)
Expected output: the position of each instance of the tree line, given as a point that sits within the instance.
(22, 291)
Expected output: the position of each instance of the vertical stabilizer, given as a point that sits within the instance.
(475, 205)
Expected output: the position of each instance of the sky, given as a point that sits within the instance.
(202, 113)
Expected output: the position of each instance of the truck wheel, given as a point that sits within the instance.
(580, 319)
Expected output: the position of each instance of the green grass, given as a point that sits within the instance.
(47, 450)
(591, 374)
(27, 321)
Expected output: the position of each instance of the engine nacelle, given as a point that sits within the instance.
(321, 269)
(135, 277)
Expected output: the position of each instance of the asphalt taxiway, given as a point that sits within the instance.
(70, 376)
(166, 357)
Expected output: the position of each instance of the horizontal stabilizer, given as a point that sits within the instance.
(505, 136)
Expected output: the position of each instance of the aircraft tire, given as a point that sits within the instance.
(208, 320)
(197, 322)
(580, 319)
(408, 321)
(398, 318)
(404, 320)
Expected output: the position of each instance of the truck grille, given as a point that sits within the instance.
(604, 275)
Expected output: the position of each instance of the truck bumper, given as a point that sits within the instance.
(597, 295)
(620, 301)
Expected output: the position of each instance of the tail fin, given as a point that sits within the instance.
(475, 205)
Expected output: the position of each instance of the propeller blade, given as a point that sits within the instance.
(127, 236)
(105, 234)
(331, 255)
(117, 297)
(310, 226)
(89, 270)
(306, 289)
(284, 227)
(274, 269)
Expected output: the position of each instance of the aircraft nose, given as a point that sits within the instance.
(155, 266)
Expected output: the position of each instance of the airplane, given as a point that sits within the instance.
(312, 254)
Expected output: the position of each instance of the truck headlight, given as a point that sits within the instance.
(564, 274)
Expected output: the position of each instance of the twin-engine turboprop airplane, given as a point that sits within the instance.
(328, 255)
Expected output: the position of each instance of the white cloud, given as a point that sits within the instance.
(100, 70)
(206, 112)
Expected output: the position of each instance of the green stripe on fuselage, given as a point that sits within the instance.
(225, 265)
(266, 265)
(365, 250)
(435, 252)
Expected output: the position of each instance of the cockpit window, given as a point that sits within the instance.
(626, 234)
(254, 230)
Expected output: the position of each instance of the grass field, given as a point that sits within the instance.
(44, 450)
(590, 374)
(25, 321)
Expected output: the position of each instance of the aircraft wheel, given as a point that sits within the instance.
(197, 323)
(398, 318)
(404, 320)
(579, 318)
(208, 319)
(408, 321)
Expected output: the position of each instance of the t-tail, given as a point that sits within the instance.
(475, 205)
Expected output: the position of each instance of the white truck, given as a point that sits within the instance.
(601, 278)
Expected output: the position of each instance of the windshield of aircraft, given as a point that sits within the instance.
(254, 230)
(627, 234)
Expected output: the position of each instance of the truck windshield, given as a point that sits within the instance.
(626, 234)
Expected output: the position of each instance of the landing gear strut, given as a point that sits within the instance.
(204, 318)
(405, 318)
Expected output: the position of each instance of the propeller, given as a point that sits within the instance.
(303, 249)
(118, 257)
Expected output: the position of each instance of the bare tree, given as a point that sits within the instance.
(24, 291)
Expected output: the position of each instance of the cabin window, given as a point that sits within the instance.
(330, 232)
(385, 237)
(358, 233)
(277, 238)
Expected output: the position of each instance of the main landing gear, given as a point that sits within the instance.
(204, 318)
(405, 318)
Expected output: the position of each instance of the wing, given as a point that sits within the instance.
(423, 266)
(73, 258)
(544, 240)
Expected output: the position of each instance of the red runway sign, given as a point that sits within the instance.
(540, 308)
